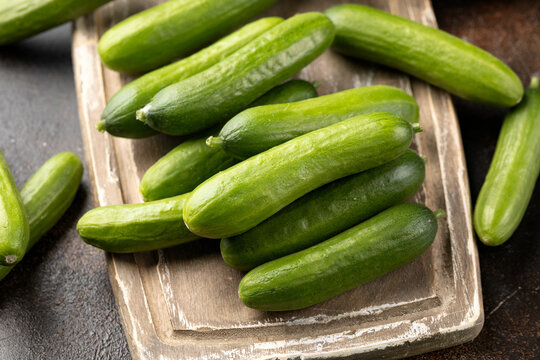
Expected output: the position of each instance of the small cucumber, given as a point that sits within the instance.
(326, 212)
(119, 119)
(192, 162)
(512, 175)
(20, 19)
(48, 194)
(156, 36)
(258, 129)
(425, 52)
(136, 227)
(228, 87)
(235, 200)
(13, 220)
(377, 246)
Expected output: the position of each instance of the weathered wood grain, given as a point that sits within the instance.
(181, 303)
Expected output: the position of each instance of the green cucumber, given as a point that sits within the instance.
(192, 162)
(235, 200)
(48, 194)
(13, 220)
(119, 119)
(156, 36)
(228, 87)
(425, 52)
(512, 175)
(136, 227)
(326, 212)
(258, 129)
(373, 248)
(20, 19)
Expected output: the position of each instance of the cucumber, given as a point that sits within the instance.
(119, 119)
(20, 19)
(326, 212)
(136, 227)
(48, 194)
(192, 162)
(13, 219)
(425, 52)
(156, 36)
(259, 129)
(513, 172)
(373, 248)
(235, 200)
(228, 87)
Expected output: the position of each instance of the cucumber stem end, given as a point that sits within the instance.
(142, 113)
(417, 127)
(440, 213)
(534, 82)
(100, 126)
(214, 142)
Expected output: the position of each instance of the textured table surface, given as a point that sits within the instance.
(58, 304)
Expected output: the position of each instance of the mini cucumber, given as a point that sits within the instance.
(512, 175)
(228, 87)
(192, 162)
(326, 212)
(119, 119)
(156, 36)
(235, 200)
(13, 219)
(425, 52)
(48, 194)
(258, 129)
(373, 248)
(136, 227)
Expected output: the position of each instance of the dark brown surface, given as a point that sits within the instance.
(58, 304)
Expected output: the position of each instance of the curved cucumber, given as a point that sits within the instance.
(235, 200)
(48, 194)
(20, 19)
(377, 246)
(220, 92)
(119, 119)
(258, 129)
(425, 52)
(513, 172)
(136, 227)
(192, 162)
(325, 212)
(170, 30)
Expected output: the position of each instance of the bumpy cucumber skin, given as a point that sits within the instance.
(228, 87)
(258, 129)
(377, 246)
(237, 199)
(136, 227)
(20, 19)
(326, 212)
(156, 36)
(192, 162)
(427, 53)
(512, 176)
(14, 230)
(119, 118)
(48, 194)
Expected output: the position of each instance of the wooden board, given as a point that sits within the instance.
(182, 303)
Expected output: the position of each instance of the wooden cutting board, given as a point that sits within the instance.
(182, 303)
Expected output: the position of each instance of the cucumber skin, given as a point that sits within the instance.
(258, 129)
(237, 199)
(20, 19)
(136, 227)
(156, 36)
(119, 118)
(48, 194)
(513, 172)
(373, 248)
(326, 212)
(427, 53)
(225, 89)
(192, 162)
